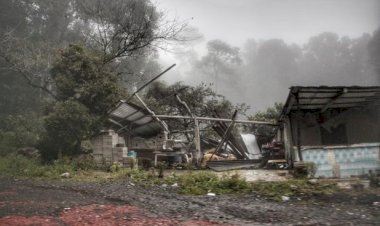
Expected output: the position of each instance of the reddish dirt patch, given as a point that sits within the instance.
(108, 215)
(7, 193)
(96, 214)
(22, 221)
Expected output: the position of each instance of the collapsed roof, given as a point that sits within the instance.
(134, 120)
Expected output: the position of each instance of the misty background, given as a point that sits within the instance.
(64, 64)
(253, 51)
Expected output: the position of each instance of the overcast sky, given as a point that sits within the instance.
(292, 20)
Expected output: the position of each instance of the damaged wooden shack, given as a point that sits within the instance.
(134, 133)
(140, 131)
(337, 128)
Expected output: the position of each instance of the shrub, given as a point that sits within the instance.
(311, 169)
(18, 131)
(374, 180)
(202, 182)
(307, 169)
(19, 166)
(84, 162)
(66, 126)
(16, 165)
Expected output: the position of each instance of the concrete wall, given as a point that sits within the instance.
(344, 161)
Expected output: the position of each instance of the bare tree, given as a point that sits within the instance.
(123, 28)
(31, 60)
(116, 29)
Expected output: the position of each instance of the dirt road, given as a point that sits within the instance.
(31, 202)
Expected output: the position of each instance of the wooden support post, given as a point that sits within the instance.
(197, 142)
(299, 128)
(197, 138)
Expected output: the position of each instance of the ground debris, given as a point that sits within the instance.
(115, 203)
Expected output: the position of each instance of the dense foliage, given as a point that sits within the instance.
(73, 57)
(85, 91)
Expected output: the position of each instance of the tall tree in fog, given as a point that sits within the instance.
(331, 60)
(32, 32)
(26, 49)
(269, 67)
(136, 71)
(126, 27)
(121, 35)
(374, 51)
(28, 32)
(276, 62)
(220, 67)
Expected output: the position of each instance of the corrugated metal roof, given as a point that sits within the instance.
(324, 97)
(135, 119)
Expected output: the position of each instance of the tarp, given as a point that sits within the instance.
(252, 146)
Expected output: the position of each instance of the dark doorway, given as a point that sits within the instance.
(336, 135)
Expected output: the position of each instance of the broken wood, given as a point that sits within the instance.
(226, 134)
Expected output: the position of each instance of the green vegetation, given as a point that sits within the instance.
(187, 182)
(271, 114)
(292, 187)
(17, 131)
(19, 166)
(203, 182)
(85, 90)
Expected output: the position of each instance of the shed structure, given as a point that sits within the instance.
(338, 128)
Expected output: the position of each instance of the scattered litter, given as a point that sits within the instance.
(65, 175)
(175, 185)
(313, 181)
(211, 194)
(132, 184)
(164, 185)
(376, 203)
(285, 198)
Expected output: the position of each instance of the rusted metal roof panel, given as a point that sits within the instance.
(135, 120)
(319, 98)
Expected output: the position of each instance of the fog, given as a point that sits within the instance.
(253, 51)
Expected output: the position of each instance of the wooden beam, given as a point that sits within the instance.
(335, 98)
(226, 134)
(215, 119)
(150, 81)
(162, 124)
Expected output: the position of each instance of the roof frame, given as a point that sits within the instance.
(325, 97)
(334, 99)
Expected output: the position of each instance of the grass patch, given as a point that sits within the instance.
(200, 183)
(20, 166)
(292, 188)
(189, 182)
